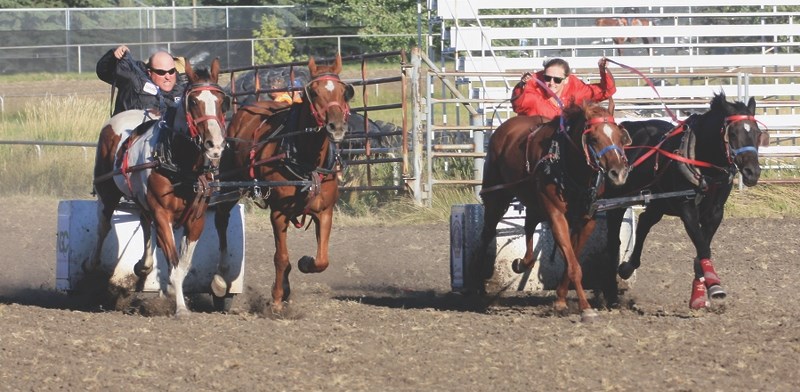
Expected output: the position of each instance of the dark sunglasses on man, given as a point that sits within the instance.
(555, 79)
(162, 72)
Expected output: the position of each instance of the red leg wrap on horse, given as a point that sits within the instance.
(711, 277)
(698, 300)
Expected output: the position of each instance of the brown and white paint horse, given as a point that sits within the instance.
(126, 165)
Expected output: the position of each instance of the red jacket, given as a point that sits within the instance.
(531, 99)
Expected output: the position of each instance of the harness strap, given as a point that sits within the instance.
(675, 131)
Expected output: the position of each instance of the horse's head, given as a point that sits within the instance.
(602, 141)
(327, 96)
(205, 104)
(741, 135)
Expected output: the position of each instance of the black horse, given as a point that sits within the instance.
(696, 160)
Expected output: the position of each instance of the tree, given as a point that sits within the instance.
(378, 17)
(271, 46)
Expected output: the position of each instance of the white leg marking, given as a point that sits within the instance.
(179, 274)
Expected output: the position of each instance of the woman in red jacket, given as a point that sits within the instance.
(531, 99)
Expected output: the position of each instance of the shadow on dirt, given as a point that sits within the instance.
(99, 300)
(401, 298)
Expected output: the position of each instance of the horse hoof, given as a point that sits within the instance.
(140, 270)
(518, 267)
(218, 286)
(589, 315)
(182, 313)
(306, 264)
(717, 292)
(277, 308)
(560, 309)
(625, 270)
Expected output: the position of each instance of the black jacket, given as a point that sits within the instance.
(135, 89)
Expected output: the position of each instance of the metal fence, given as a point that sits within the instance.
(71, 40)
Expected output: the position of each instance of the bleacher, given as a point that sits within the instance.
(694, 51)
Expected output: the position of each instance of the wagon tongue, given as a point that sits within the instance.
(642, 199)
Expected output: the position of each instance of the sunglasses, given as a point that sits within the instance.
(555, 79)
(163, 72)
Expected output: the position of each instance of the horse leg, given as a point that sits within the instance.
(710, 222)
(220, 283)
(105, 208)
(521, 265)
(572, 271)
(280, 288)
(609, 273)
(166, 241)
(191, 235)
(579, 240)
(323, 223)
(706, 280)
(495, 205)
(145, 265)
(647, 220)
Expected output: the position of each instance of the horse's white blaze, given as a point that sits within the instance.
(747, 127)
(209, 102)
(329, 86)
(608, 131)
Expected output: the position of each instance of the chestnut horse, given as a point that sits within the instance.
(555, 169)
(283, 145)
(169, 194)
(625, 22)
(712, 147)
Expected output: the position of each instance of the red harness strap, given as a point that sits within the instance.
(675, 131)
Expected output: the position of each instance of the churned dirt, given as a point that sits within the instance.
(382, 317)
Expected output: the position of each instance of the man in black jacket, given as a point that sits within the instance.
(146, 86)
(151, 85)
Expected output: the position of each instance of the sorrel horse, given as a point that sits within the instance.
(282, 145)
(625, 22)
(127, 165)
(554, 169)
(703, 154)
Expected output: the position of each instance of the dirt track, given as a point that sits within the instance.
(382, 317)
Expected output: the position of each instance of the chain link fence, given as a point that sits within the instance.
(72, 40)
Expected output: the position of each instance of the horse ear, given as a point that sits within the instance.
(763, 139)
(626, 137)
(751, 105)
(312, 66)
(611, 105)
(188, 70)
(215, 70)
(337, 66)
(349, 92)
(226, 103)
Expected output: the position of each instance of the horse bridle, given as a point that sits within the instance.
(192, 122)
(593, 159)
(320, 116)
(730, 151)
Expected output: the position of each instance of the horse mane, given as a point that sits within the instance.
(203, 73)
(720, 103)
(588, 109)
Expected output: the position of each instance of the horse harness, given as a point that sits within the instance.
(308, 176)
(551, 162)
